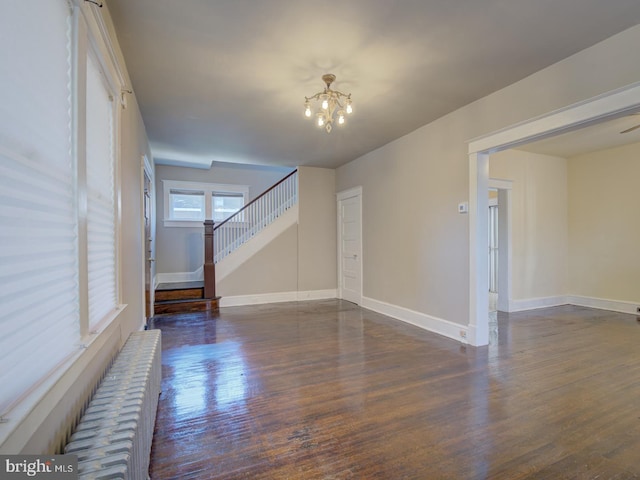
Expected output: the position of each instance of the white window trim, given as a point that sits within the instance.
(208, 188)
(89, 36)
(92, 39)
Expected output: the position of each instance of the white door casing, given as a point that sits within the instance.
(350, 245)
(148, 235)
(609, 105)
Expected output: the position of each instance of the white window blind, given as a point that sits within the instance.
(186, 205)
(226, 204)
(101, 230)
(39, 318)
(189, 203)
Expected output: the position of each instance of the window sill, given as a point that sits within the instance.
(198, 223)
(183, 223)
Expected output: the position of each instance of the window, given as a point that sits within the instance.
(226, 204)
(188, 204)
(101, 214)
(40, 317)
(59, 184)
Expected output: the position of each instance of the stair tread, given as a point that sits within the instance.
(185, 300)
(179, 286)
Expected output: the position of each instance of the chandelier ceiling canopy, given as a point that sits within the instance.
(332, 103)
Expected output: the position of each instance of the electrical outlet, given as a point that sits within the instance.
(463, 334)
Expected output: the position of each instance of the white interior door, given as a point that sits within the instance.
(350, 245)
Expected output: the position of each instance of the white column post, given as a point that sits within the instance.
(478, 330)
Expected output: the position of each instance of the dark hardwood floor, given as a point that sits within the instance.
(327, 390)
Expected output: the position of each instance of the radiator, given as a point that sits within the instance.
(113, 438)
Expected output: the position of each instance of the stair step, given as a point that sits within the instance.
(179, 294)
(179, 285)
(186, 305)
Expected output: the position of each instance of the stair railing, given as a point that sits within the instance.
(254, 216)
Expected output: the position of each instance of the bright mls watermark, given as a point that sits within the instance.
(58, 467)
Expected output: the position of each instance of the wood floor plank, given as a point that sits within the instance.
(327, 390)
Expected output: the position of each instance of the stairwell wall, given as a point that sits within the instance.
(180, 249)
(301, 262)
(272, 269)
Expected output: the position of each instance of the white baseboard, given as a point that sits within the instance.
(533, 303)
(591, 302)
(240, 300)
(317, 294)
(604, 304)
(175, 277)
(437, 325)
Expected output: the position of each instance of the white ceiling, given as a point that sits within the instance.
(589, 139)
(225, 80)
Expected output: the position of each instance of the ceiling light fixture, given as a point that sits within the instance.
(331, 102)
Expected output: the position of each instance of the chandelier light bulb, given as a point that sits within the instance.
(334, 105)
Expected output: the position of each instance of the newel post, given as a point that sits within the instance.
(209, 266)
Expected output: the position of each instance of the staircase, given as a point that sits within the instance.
(223, 239)
(183, 297)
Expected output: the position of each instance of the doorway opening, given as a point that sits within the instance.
(596, 110)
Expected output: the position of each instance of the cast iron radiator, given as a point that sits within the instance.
(113, 438)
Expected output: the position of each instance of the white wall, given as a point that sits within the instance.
(539, 201)
(415, 243)
(301, 259)
(273, 269)
(181, 249)
(604, 226)
(317, 225)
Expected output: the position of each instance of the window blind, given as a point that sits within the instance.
(39, 318)
(101, 226)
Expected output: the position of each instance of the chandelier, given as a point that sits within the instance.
(332, 102)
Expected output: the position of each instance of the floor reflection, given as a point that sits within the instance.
(199, 367)
(494, 335)
(231, 381)
(326, 389)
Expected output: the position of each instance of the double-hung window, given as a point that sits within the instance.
(188, 204)
(225, 204)
(58, 194)
(101, 213)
